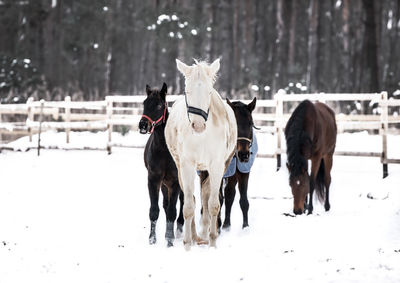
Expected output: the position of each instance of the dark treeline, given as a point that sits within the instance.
(89, 49)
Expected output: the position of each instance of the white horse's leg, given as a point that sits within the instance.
(187, 180)
(196, 238)
(213, 202)
(205, 217)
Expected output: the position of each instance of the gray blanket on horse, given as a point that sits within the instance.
(243, 167)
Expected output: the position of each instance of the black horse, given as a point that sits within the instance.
(239, 168)
(162, 171)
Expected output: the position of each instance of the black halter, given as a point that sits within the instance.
(196, 111)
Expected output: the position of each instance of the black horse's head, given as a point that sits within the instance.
(154, 109)
(245, 125)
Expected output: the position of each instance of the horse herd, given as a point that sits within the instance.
(204, 134)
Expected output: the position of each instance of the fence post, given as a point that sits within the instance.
(109, 124)
(67, 116)
(31, 115)
(383, 131)
(279, 126)
(40, 125)
(322, 100)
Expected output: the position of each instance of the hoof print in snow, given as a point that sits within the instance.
(370, 196)
(288, 215)
(288, 251)
(378, 196)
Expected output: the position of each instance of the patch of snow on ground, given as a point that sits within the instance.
(82, 216)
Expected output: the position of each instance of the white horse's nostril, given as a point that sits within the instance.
(198, 127)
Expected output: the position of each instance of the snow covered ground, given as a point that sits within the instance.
(82, 216)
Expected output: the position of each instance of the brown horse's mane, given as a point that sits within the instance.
(296, 138)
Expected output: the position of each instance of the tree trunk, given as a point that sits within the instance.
(278, 74)
(312, 47)
(292, 36)
(370, 48)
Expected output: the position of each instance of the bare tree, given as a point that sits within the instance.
(370, 47)
(99, 47)
(312, 46)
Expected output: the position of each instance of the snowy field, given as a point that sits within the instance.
(82, 216)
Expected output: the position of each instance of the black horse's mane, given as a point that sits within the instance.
(296, 137)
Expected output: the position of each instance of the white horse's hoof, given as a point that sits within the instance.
(187, 246)
(203, 236)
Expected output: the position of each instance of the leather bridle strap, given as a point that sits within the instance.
(250, 141)
(196, 111)
(244, 139)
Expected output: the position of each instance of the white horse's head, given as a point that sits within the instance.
(199, 82)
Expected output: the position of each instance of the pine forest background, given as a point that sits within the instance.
(89, 49)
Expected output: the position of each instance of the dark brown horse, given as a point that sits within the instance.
(238, 171)
(162, 171)
(310, 135)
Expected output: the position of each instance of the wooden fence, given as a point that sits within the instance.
(270, 115)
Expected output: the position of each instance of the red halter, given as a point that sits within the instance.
(156, 122)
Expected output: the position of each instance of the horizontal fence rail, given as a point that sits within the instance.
(270, 115)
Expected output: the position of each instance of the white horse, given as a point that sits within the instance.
(201, 134)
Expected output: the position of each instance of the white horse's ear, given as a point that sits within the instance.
(214, 67)
(183, 68)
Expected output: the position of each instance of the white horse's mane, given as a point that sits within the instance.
(204, 67)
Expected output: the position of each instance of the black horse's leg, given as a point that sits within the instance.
(244, 202)
(310, 197)
(221, 202)
(230, 191)
(164, 190)
(328, 167)
(327, 205)
(154, 188)
(315, 163)
(173, 194)
(180, 221)
(166, 202)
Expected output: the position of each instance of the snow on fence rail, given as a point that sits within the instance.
(126, 111)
